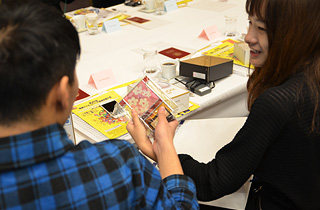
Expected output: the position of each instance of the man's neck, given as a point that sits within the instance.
(21, 127)
(44, 118)
(17, 129)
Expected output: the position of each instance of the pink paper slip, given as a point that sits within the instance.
(102, 79)
(210, 33)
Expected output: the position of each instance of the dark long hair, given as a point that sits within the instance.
(293, 29)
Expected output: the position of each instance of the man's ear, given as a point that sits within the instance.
(63, 93)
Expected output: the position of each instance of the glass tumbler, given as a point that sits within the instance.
(159, 7)
(92, 23)
(230, 25)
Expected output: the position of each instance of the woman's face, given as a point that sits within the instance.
(257, 40)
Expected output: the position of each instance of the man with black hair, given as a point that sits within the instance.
(40, 168)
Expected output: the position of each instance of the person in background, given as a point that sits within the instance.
(56, 3)
(106, 3)
(40, 168)
(280, 141)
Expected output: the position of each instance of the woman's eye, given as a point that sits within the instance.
(261, 28)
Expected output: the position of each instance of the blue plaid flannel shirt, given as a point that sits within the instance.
(44, 170)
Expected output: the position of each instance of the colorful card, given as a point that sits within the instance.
(141, 98)
(174, 53)
(138, 20)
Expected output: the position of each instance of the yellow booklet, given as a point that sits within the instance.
(92, 113)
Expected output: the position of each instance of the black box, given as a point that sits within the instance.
(208, 68)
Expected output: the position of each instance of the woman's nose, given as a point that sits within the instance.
(250, 38)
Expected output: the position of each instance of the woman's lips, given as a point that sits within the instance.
(254, 52)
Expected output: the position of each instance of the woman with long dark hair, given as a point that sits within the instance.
(280, 142)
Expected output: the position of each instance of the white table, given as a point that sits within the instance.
(202, 146)
(121, 51)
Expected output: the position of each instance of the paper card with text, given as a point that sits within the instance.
(170, 5)
(210, 33)
(102, 79)
(174, 53)
(111, 25)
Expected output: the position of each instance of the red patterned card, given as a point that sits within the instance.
(174, 53)
(138, 20)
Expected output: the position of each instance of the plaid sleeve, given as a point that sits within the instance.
(173, 192)
(183, 190)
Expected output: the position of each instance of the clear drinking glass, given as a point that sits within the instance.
(92, 23)
(159, 7)
(230, 25)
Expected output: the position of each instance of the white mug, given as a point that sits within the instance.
(169, 68)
